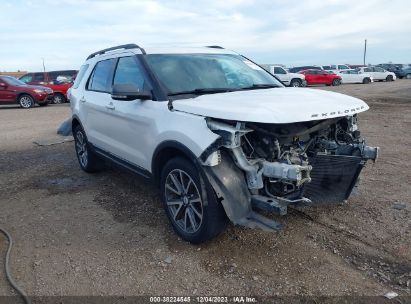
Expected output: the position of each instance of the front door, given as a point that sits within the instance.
(131, 121)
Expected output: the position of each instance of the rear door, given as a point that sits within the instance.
(93, 104)
(7, 92)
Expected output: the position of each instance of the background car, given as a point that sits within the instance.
(355, 76)
(335, 68)
(404, 72)
(391, 67)
(378, 74)
(314, 77)
(52, 80)
(301, 68)
(14, 91)
(289, 79)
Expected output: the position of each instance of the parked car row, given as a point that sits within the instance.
(58, 81)
(337, 74)
(14, 91)
(39, 88)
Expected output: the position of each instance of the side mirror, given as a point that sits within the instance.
(129, 92)
(3, 85)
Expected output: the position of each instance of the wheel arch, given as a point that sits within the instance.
(75, 121)
(24, 93)
(166, 151)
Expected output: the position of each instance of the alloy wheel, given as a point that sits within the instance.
(26, 101)
(58, 99)
(183, 201)
(81, 147)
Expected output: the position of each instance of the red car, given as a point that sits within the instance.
(321, 77)
(52, 81)
(14, 91)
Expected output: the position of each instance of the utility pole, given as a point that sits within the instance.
(44, 67)
(365, 49)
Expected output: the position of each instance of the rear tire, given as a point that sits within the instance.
(336, 82)
(88, 160)
(190, 202)
(26, 101)
(366, 80)
(296, 83)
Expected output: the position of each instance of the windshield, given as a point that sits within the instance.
(13, 81)
(196, 73)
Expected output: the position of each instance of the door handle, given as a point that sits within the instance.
(110, 106)
(82, 99)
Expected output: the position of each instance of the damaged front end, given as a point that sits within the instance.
(272, 166)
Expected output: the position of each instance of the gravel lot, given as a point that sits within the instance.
(107, 234)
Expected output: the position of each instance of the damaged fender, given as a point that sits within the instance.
(230, 186)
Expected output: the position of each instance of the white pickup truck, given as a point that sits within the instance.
(289, 79)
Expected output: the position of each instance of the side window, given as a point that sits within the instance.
(129, 72)
(376, 69)
(367, 70)
(80, 75)
(278, 70)
(53, 76)
(38, 77)
(27, 78)
(100, 80)
(342, 67)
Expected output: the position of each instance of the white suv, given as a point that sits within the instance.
(378, 74)
(219, 135)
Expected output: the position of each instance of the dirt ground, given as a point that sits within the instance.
(107, 234)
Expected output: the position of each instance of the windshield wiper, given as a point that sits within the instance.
(202, 91)
(261, 86)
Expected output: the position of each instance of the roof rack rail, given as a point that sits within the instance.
(118, 47)
(214, 47)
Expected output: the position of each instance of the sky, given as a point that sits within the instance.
(65, 32)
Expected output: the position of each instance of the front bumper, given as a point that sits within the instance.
(44, 97)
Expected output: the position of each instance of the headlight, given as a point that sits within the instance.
(39, 91)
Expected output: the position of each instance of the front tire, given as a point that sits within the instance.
(88, 160)
(389, 78)
(26, 101)
(296, 83)
(336, 82)
(59, 98)
(190, 202)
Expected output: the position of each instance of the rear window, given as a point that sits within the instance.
(80, 75)
(100, 80)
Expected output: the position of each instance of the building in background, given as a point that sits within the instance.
(14, 74)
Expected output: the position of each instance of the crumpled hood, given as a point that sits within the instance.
(277, 105)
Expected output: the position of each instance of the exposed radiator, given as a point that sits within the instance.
(333, 178)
